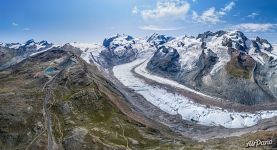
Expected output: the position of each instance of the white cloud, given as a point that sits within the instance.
(252, 15)
(208, 16)
(228, 7)
(211, 15)
(14, 24)
(157, 28)
(135, 10)
(255, 27)
(166, 10)
(26, 29)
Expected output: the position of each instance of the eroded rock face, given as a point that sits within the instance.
(205, 64)
(165, 60)
(241, 65)
(238, 77)
(119, 49)
(266, 75)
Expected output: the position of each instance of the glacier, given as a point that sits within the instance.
(174, 103)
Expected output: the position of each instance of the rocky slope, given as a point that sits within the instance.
(56, 100)
(223, 64)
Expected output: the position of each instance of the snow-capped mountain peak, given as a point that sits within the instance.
(118, 40)
(44, 43)
(30, 42)
(264, 44)
(158, 39)
(29, 45)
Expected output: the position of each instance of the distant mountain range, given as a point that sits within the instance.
(12, 53)
(223, 64)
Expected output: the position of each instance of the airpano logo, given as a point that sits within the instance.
(259, 142)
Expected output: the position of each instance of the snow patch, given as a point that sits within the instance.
(38, 52)
(90, 52)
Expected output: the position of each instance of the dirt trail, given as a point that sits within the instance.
(47, 104)
(52, 144)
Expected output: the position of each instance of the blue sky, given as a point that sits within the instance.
(63, 21)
